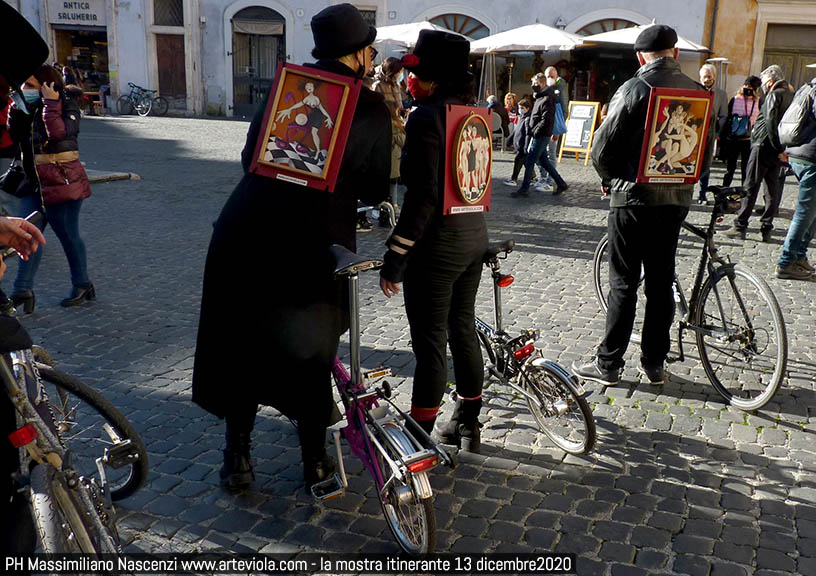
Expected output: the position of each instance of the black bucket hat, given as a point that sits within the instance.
(439, 56)
(23, 49)
(340, 30)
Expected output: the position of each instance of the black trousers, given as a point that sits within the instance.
(736, 150)
(518, 163)
(441, 281)
(640, 236)
(763, 166)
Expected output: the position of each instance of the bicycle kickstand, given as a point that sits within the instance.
(681, 356)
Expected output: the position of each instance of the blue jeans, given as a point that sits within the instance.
(64, 219)
(803, 224)
(552, 151)
(538, 154)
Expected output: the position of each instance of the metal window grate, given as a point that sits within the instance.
(168, 12)
(370, 16)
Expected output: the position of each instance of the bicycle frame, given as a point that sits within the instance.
(710, 263)
(45, 447)
(364, 413)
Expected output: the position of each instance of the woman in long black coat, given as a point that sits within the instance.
(271, 312)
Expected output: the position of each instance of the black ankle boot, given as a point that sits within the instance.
(79, 294)
(24, 297)
(318, 470)
(464, 429)
(317, 465)
(236, 473)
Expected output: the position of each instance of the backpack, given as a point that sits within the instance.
(798, 125)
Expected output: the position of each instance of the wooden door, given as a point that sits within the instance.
(172, 71)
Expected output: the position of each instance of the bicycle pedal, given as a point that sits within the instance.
(377, 373)
(328, 489)
(120, 454)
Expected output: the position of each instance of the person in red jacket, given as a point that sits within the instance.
(55, 118)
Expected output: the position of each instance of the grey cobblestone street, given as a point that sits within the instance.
(678, 483)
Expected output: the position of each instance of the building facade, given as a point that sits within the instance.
(753, 34)
(220, 56)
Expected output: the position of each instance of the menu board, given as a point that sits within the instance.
(580, 128)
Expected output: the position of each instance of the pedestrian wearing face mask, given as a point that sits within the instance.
(438, 256)
(735, 138)
(765, 163)
(561, 90)
(719, 113)
(541, 123)
(55, 116)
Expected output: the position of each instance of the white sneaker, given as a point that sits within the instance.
(510, 182)
(544, 188)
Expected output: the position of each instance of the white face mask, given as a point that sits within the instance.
(551, 81)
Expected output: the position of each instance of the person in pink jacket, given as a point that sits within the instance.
(743, 110)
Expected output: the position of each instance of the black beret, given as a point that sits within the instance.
(655, 38)
(23, 49)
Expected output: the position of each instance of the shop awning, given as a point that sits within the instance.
(258, 27)
(406, 35)
(627, 36)
(531, 38)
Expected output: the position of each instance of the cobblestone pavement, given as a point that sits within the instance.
(679, 483)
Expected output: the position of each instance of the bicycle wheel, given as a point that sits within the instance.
(412, 520)
(86, 421)
(601, 282)
(563, 416)
(63, 524)
(144, 105)
(160, 106)
(745, 347)
(124, 105)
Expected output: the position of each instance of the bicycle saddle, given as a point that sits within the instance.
(496, 249)
(347, 263)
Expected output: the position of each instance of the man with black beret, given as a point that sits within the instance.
(644, 219)
(268, 278)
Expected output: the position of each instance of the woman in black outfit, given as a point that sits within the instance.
(438, 257)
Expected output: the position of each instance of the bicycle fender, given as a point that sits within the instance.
(570, 379)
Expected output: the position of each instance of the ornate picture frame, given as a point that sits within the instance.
(306, 124)
(677, 124)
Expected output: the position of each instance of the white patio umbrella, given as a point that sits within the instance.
(531, 38)
(406, 35)
(628, 36)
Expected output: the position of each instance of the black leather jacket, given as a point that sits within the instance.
(766, 130)
(618, 142)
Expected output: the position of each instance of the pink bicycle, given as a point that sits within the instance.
(393, 448)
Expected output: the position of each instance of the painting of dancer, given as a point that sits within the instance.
(308, 116)
(473, 156)
(675, 139)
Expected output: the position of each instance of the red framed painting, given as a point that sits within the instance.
(469, 158)
(305, 127)
(677, 125)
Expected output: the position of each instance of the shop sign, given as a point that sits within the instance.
(77, 12)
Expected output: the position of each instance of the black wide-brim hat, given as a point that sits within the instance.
(340, 30)
(22, 49)
(439, 57)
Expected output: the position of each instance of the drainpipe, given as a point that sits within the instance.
(713, 24)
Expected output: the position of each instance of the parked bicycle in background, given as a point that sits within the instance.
(142, 101)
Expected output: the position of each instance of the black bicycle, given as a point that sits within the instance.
(554, 396)
(736, 319)
(142, 101)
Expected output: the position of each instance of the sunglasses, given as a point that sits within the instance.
(373, 52)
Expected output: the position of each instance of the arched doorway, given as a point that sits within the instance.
(258, 46)
(466, 25)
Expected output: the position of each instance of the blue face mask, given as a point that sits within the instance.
(31, 96)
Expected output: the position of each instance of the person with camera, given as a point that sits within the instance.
(735, 138)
